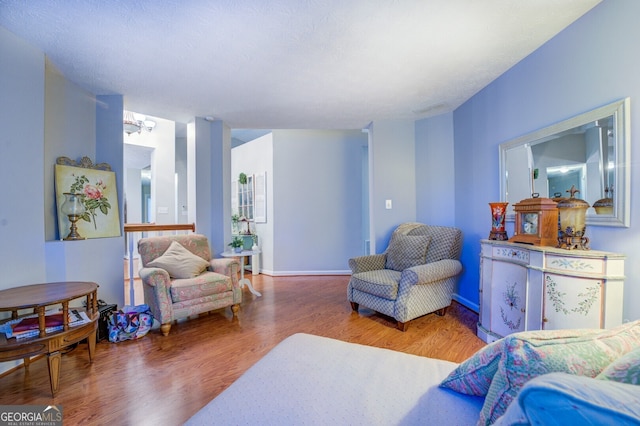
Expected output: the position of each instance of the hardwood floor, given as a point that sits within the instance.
(164, 380)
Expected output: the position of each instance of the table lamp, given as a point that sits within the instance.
(73, 207)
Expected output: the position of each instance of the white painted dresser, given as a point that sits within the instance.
(525, 287)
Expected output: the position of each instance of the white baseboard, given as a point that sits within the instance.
(466, 302)
(292, 273)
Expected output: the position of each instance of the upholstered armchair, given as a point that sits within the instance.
(181, 279)
(416, 274)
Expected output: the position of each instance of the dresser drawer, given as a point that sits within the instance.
(580, 265)
(510, 253)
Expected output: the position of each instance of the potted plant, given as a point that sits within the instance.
(235, 220)
(237, 243)
(242, 178)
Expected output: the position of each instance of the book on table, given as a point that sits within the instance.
(28, 326)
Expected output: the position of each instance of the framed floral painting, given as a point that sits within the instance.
(96, 187)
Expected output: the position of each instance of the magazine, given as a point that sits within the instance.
(27, 326)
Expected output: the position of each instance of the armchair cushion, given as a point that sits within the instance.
(179, 262)
(406, 251)
(382, 283)
(206, 284)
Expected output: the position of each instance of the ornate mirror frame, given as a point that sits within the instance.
(519, 174)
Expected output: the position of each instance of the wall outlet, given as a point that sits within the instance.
(388, 204)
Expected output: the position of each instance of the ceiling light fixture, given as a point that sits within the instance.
(134, 122)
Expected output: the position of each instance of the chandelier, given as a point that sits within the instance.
(134, 122)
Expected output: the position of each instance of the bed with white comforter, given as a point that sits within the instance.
(313, 380)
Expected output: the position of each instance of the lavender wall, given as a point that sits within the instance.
(435, 177)
(317, 208)
(591, 63)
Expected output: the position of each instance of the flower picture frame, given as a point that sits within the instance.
(99, 194)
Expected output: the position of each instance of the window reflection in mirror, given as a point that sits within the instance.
(590, 152)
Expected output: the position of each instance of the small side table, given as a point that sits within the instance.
(38, 297)
(243, 281)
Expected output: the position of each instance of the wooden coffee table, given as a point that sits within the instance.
(35, 299)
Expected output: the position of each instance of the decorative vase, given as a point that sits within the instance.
(605, 205)
(237, 249)
(498, 215)
(572, 212)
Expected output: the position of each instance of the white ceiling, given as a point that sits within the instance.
(270, 64)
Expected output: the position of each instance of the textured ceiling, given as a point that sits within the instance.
(288, 63)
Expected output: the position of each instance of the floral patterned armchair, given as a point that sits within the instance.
(181, 279)
(416, 274)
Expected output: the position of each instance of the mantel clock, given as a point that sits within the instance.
(536, 222)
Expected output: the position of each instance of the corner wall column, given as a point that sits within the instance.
(209, 161)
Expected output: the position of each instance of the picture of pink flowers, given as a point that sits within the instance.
(100, 198)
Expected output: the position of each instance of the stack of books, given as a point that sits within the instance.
(27, 326)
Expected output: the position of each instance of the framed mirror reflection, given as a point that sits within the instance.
(589, 151)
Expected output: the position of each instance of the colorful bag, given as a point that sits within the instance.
(130, 323)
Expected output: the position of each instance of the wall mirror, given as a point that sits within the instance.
(589, 151)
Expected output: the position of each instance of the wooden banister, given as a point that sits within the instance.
(151, 227)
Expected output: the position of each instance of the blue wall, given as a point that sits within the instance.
(392, 170)
(435, 177)
(316, 200)
(38, 117)
(21, 162)
(593, 62)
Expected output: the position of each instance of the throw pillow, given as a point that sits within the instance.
(473, 376)
(406, 251)
(566, 399)
(625, 369)
(179, 262)
(530, 354)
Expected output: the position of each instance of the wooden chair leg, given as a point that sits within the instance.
(441, 312)
(402, 326)
(354, 306)
(165, 328)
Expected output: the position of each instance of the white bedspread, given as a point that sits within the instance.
(313, 380)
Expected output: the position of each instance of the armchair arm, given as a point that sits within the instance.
(156, 283)
(370, 262)
(432, 272)
(155, 277)
(229, 266)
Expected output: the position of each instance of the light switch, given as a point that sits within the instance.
(387, 204)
